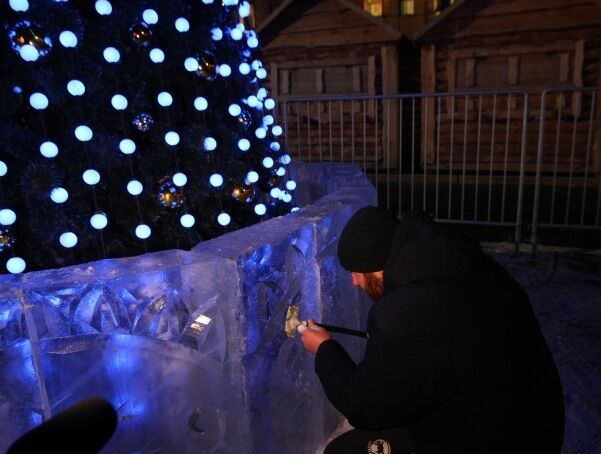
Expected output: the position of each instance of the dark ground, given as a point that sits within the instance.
(564, 285)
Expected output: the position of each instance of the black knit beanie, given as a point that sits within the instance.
(365, 241)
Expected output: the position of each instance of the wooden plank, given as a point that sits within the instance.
(597, 138)
(578, 64)
(428, 64)
(470, 72)
(274, 79)
(511, 49)
(319, 80)
(357, 86)
(330, 59)
(284, 83)
(451, 76)
(371, 82)
(390, 85)
(520, 6)
(513, 72)
(564, 66)
(359, 35)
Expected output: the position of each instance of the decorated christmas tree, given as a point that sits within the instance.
(132, 126)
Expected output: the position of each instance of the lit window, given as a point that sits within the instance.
(373, 7)
(407, 7)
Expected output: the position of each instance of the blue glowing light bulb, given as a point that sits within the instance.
(19, 5)
(103, 7)
(49, 149)
(179, 179)
(276, 193)
(252, 176)
(99, 221)
(236, 34)
(29, 53)
(15, 265)
(268, 162)
(165, 99)
(269, 103)
(187, 220)
(287, 198)
(38, 101)
(59, 195)
(157, 55)
(67, 38)
(111, 55)
(91, 177)
(182, 25)
(201, 103)
(291, 185)
(260, 209)
(209, 144)
(119, 102)
(3, 168)
(83, 133)
(172, 138)
(143, 231)
(234, 110)
(134, 187)
(224, 70)
(7, 216)
(216, 180)
(274, 146)
(68, 239)
(76, 87)
(191, 64)
(285, 159)
(150, 16)
(261, 133)
(244, 9)
(216, 34)
(244, 144)
(244, 68)
(280, 172)
(224, 219)
(127, 146)
(277, 130)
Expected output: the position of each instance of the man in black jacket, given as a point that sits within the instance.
(455, 355)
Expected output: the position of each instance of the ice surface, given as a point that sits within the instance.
(190, 346)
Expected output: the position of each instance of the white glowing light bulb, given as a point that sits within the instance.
(291, 185)
(268, 162)
(179, 179)
(127, 146)
(76, 87)
(274, 146)
(83, 133)
(157, 55)
(252, 176)
(191, 64)
(244, 144)
(201, 103)
(236, 34)
(99, 221)
(172, 138)
(68, 239)
(103, 7)
(276, 193)
(277, 130)
(119, 102)
(143, 231)
(216, 180)
(216, 34)
(49, 149)
(244, 9)
(19, 5)
(29, 53)
(150, 16)
(187, 220)
(3, 168)
(7, 216)
(91, 177)
(224, 219)
(209, 144)
(269, 103)
(285, 159)
(68, 38)
(165, 99)
(244, 68)
(38, 101)
(224, 70)
(252, 101)
(280, 172)
(261, 73)
(260, 209)
(234, 110)
(287, 198)
(111, 55)
(134, 187)
(261, 133)
(59, 195)
(15, 265)
(182, 25)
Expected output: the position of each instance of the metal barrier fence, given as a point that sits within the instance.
(485, 158)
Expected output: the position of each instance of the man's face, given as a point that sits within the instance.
(370, 283)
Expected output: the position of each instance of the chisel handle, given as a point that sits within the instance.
(341, 330)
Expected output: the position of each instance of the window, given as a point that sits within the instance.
(407, 7)
(373, 7)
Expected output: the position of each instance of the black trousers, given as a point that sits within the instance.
(391, 441)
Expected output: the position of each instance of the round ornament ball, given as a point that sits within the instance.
(207, 66)
(241, 192)
(30, 40)
(170, 195)
(7, 239)
(244, 119)
(140, 34)
(143, 122)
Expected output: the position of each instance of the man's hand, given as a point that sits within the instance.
(313, 335)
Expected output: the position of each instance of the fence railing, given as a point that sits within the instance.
(497, 158)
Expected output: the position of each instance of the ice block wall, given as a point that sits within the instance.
(189, 346)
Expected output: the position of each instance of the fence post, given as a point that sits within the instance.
(537, 182)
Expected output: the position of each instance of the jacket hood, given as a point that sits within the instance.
(423, 249)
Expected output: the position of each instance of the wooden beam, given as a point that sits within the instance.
(428, 64)
(390, 85)
(451, 83)
(513, 70)
(512, 49)
(564, 67)
(319, 85)
(274, 79)
(357, 85)
(284, 82)
(578, 82)
(371, 83)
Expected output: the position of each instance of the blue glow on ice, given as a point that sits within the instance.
(134, 187)
(38, 101)
(7, 216)
(182, 25)
(150, 16)
(143, 231)
(91, 177)
(127, 146)
(68, 38)
(76, 87)
(157, 55)
(15, 265)
(59, 195)
(68, 239)
(49, 149)
(83, 133)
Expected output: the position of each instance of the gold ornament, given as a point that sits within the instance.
(242, 192)
(6, 239)
(28, 33)
(143, 122)
(170, 195)
(207, 66)
(244, 119)
(140, 34)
